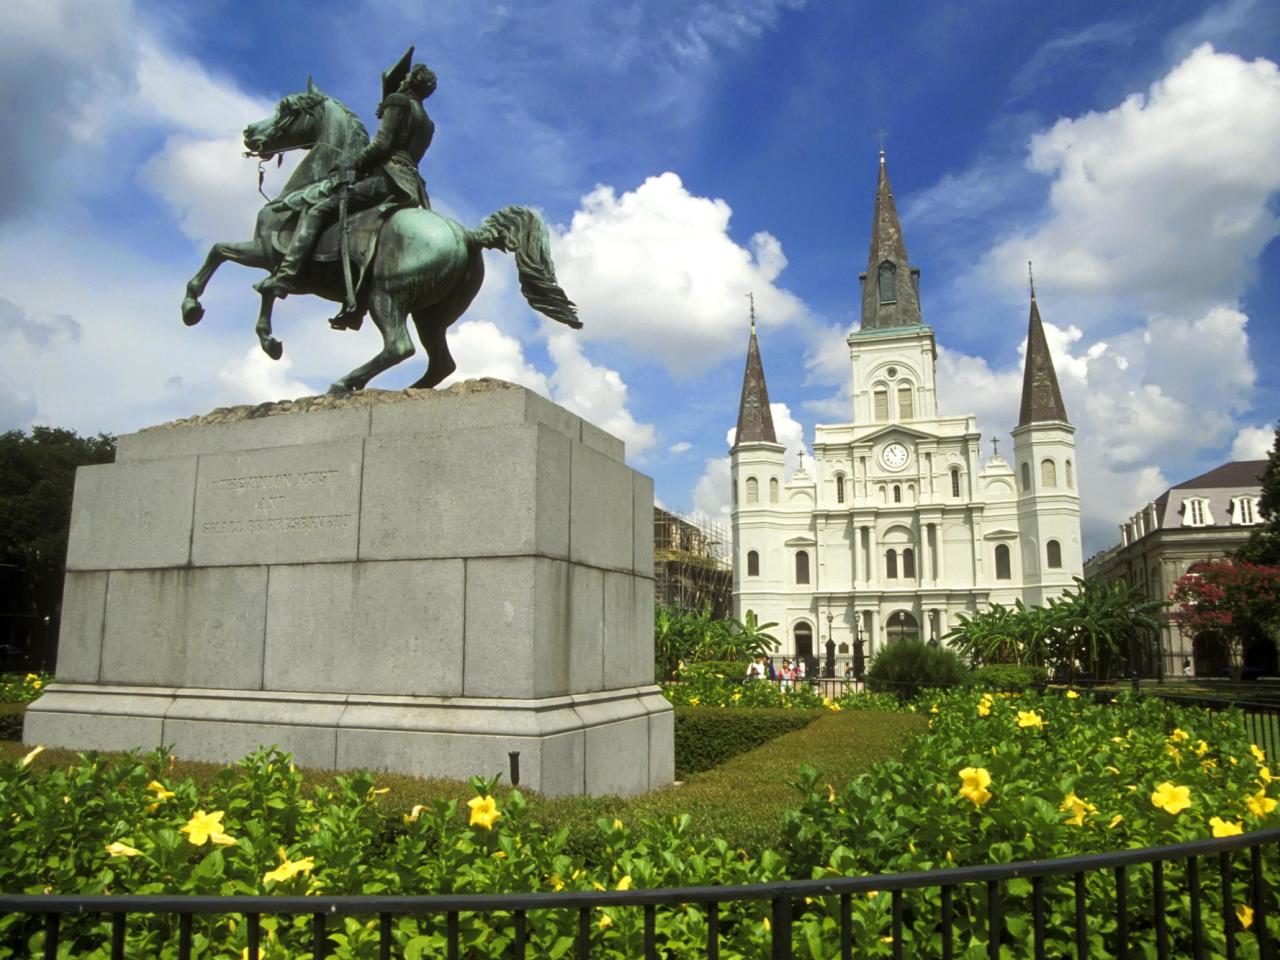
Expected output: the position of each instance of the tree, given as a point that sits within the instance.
(1230, 601)
(37, 476)
(1263, 545)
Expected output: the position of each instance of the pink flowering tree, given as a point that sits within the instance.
(1231, 601)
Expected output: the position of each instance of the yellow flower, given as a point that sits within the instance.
(934, 709)
(203, 827)
(1174, 752)
(625, 883)
(289, 869)
(737, 695)
(1072, 695)
(605, 922)
(375, 792)
(1259, 803)
(1111, 769)
(617, 824)
(984, 708)
(974, 783)
(1115, 821)
(413, 815)
(1170, 798)
(161, 795)
(831, 794)
(1264, 774)
(1201, 748)
(555, 882)
(1179, 735)
(1258, 753)
(1029, 718)
(835, 706)
(1225, 828)
(1244, 913)
(119, 849)
(1078, 807)
(1208, 763)
(693, 702)
(484, 811)
(26, 761)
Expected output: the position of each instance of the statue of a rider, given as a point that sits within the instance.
(386, 170)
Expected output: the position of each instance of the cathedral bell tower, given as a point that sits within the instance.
(893, 353)
(1044, 456)
(756, 466)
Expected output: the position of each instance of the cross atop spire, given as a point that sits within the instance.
(751, 297)
(1031, 279)
(1041, 398)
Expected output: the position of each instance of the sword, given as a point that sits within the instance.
(348, 178)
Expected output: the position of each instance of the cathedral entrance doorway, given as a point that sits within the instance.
(804, 641)
(901, 625)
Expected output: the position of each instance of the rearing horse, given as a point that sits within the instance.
(425, 264)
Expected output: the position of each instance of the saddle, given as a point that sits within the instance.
(363, 228)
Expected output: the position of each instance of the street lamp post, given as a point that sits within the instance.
(859, 659)
(829, 668)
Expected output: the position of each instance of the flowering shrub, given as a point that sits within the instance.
(20, 688)
(720, 690)
(994, 778)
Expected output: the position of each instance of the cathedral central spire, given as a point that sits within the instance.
(755, 421)
(891, 286)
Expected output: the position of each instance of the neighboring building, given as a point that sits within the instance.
(1203, 518)
(897, 525)
(691, 564)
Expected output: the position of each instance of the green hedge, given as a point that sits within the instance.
(728, 669)
(11, 720)
(1008, 677)
(903, 668)
(708, 736)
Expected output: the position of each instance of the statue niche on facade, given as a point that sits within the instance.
(354, 225)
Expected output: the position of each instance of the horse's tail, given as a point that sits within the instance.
(520, 231)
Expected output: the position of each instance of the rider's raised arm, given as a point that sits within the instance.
(393, 109)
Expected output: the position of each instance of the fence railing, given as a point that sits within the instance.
(1261, 720)
(1188, 911)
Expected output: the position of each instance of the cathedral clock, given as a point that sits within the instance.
(894, 456)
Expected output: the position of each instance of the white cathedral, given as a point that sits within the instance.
(896, 525)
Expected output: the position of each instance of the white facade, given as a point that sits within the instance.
(898, 523)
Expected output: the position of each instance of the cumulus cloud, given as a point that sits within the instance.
(657, 269)
(43, 334)
(1253, 443)
(1163, 200)
(596, 393)
(483, 350)
(255, 378)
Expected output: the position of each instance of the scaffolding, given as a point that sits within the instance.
(692, 563)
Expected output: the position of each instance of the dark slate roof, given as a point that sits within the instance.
(1239, 475)
(887, 246)
(755, 421)
(1041, 398)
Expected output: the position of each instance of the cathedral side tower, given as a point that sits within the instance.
(1044, 456)
(757, 470)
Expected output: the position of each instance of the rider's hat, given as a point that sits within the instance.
(394, 75)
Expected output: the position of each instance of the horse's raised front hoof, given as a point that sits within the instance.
(273, 348)
(192, 312)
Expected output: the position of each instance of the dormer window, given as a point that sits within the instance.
(1244, 511)
(887, 292)
(1195, 512)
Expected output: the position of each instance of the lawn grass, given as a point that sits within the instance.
(742, 800)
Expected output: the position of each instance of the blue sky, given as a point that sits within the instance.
(685, 154)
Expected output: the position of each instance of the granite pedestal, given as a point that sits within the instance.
(417, 582)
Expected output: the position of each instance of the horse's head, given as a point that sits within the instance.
(295, 124)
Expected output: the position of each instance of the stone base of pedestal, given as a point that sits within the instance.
(416, 582)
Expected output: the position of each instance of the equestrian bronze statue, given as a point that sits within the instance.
(354, 225)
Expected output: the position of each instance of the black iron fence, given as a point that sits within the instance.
(1261, 720)
(1200, 899)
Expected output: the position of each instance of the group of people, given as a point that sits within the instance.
(791, 672)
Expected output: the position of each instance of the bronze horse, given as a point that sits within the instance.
(424, 265)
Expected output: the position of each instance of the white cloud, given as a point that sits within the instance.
(255, 378)
(1253, 443)
(684, 446)
(657, 269)
(1162, 200)
(596, 393)
(483, 350)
